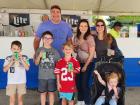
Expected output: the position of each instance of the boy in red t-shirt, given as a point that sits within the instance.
(66, 70)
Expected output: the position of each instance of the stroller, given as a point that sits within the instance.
(108, 65)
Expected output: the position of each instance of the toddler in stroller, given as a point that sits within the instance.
(109, 85)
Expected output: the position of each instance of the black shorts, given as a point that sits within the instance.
(47, 85)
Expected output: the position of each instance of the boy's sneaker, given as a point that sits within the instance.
(80, 103)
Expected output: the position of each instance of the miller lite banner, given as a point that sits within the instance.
(71, 19)
(18, 20)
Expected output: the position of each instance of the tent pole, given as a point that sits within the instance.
(45, 3)
(99, 6)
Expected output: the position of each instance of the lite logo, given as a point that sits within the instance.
(19, 20)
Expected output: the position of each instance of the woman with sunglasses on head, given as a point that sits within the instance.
(85, 49)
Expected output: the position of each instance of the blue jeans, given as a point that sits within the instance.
(101, 100)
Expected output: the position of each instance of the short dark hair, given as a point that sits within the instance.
(47, 33)
(55, 7)
(117, 24)
(17, 43)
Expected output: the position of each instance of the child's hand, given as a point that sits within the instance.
(71, 71)
(41, 54)
(20, 56)
(58, 86)
(96, 72)
(114, 88)
(12, 60)
(116, 92)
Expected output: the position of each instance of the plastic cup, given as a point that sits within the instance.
(16, 55)
(70, 66)
(44, 55)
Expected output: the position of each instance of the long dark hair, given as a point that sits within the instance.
(105, 29)
(78, 30)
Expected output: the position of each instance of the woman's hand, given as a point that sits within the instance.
(84, 69)
(110, 52)
(113, 52)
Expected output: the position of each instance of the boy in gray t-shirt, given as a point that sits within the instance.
(46, 57)
(47, 64)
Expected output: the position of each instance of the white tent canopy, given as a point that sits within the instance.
(98, 7)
